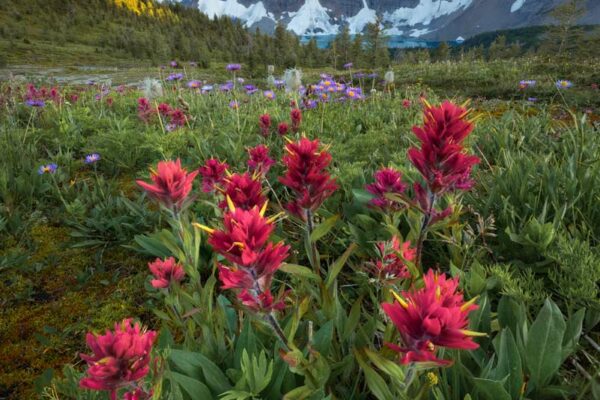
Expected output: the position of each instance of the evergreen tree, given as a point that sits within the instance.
(343, 45)
(376, 51)
(565, 38)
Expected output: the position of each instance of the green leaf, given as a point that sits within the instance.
(189, 361)
(375, 382)
(323, 228)
(193, 387)
(299, 270)
(299, 393)
(395, 371)
(543, 347)
(323, 338)
(491, 390)
(509, 362)
(510, 314)
(336, 267)
(572, 333)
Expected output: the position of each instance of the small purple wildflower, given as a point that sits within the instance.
(563, 84)
(348, 65)
(250, 89)
(47, 169)
(92, 158)
(233, 104)
(194, 84)
(175, 77)
(269, 94)
(174, 64)
(35, 103)
(233, 67)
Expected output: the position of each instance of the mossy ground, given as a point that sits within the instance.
(49, 305)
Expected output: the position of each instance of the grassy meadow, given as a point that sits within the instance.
(524, 241)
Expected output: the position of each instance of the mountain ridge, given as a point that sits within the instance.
(425, 19)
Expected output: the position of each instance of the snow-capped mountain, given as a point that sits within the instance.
(427, 19)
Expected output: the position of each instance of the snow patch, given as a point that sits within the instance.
(425, 11)
(366, 15)
(459, 39)
(312, 19)
(418, 32)
(516, 6)
(231, 8)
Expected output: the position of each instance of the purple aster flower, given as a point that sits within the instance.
(207, 88)
(226, 87)
(532, 99)
(194, 84)
(310, 104)
(92, 158)
(527, 83)
(354, 93)
(47, 169)
(233, 104)
(240, 80)
(269, 94)
(360, 75)
(250, 89)
(279, 83)
(348, 65)
(175, 77)
(170, 127)
(563, 84)
(233, 67)
(174, 64)
(373, 75)
(35, 103)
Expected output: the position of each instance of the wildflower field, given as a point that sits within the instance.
(430, 231)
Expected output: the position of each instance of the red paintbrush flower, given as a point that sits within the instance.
(145, 111)
(262, 302)
(259, 160)
(283, 128)
(306, 176)
(244, 242)
(213, 174)
(244, 190)
(164, 109)
(441, 159)
(390, 264)
(406, 103)
(264, 122)
(387, 181)
(435, 315)
(177, 117)
(171, 183)
(165, 272)
(120, 357)
(296, 117)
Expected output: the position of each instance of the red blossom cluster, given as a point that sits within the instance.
(173, 117)
(433, 316)
(392, 256)
(244, 242)
(171, 183)
(258, 159)
(387, 181)
(213, 174)
(120, 359)
(42, 94)
(243, 190)
(165, 272)
(307, 176)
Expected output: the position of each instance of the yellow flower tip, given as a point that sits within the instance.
(469, 303)
(466, 103)
(400, 300)
(472, 333)
(239, 244)
(228, 173)
(230, 204)
(427, 104)
(438, 293)
(275, 217)
(205, 228)
(288, 139)
(263, 209)
(432, 379)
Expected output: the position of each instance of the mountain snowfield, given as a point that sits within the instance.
(428, 19)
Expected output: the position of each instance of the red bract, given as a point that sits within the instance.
(138, 394)
(145, 111)
(165, 272)
(262, 302)
(259, 160)
(406, 103)
(120, 357)
(213, 173)
(427, 204)
(177, 117)
(283, 128)
(441, 159)
(244, 190)
(164, 109)
(264, 121)
(171, 183)
(296, 117)
(387, 181)
(243, 241)
(435, 315)
(306, 176)
(391, 262)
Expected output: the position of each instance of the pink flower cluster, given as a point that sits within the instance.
(173, 117)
